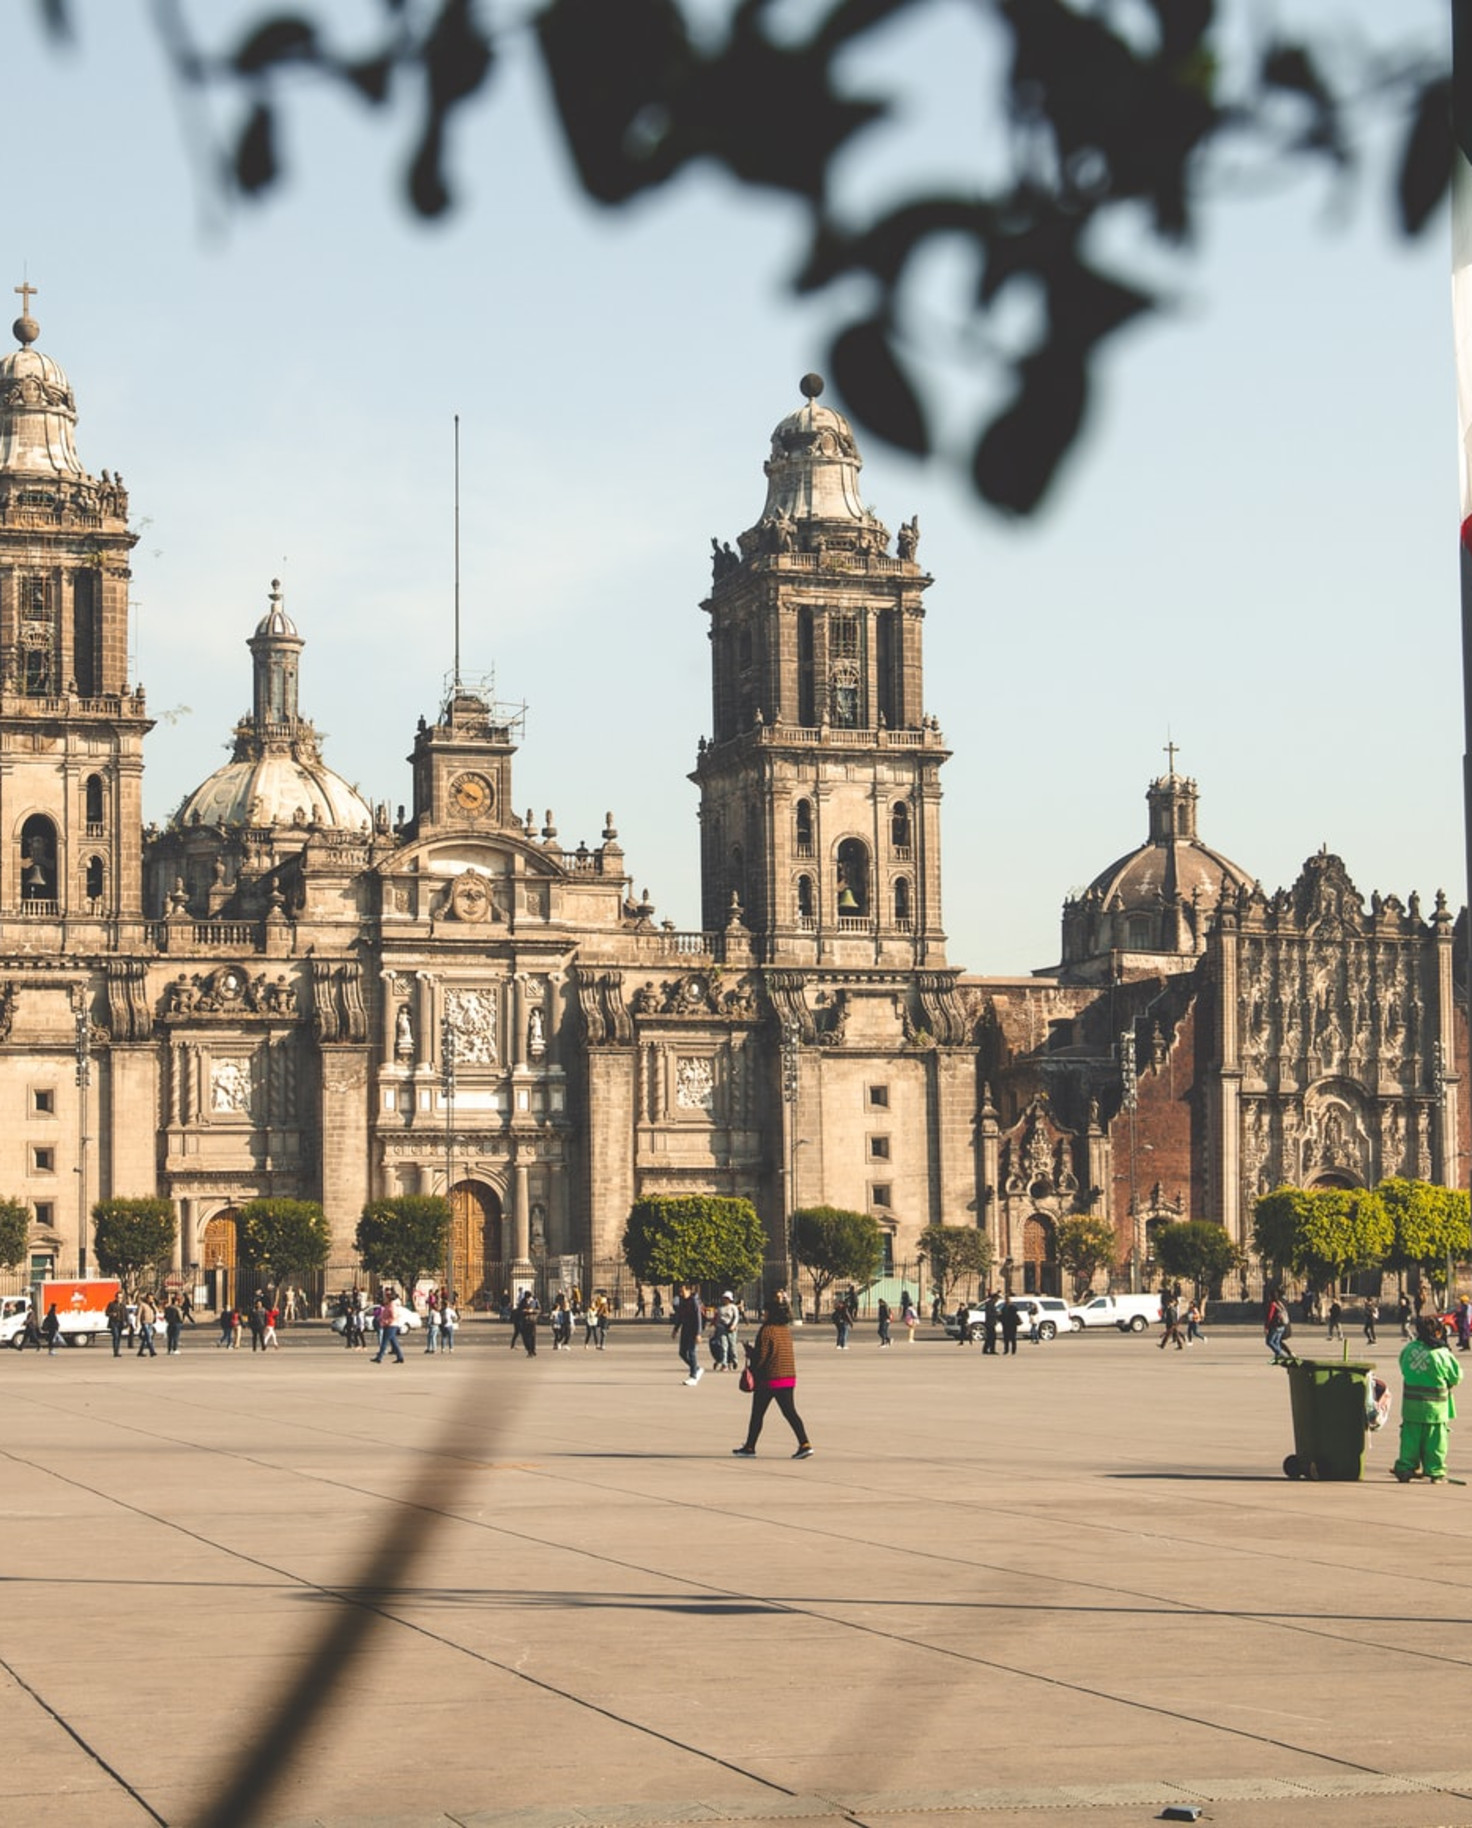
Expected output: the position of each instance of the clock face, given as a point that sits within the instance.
(471, 794)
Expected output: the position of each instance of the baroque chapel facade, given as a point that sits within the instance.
(285, 992)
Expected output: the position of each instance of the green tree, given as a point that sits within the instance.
(1199, 1251)
(1430, 1223)
(834, 1245)
(1325, 1233)
(15, 1232)
(399, 1238)
(283, 1240)
(1085, 1246)
(954, 1253)
(1278, 1219)
(703, 1237)
(133, 1240)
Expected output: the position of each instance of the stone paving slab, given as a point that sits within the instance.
(1063, 1585)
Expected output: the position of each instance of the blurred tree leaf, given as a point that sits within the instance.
(1426, 164)
(1106, 107)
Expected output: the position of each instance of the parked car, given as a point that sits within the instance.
(1130, 1313)
(1053, 1316)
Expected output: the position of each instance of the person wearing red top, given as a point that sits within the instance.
(774, 1367)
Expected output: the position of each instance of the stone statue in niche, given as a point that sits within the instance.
(404, 1033)
(536, 1035)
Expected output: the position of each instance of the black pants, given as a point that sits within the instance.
(762, 1399)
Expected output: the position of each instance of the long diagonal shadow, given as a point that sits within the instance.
(265, 1761)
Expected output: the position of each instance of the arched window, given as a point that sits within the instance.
(902, 903)
(853, 879)
(92, 794)
(899, 827)
(94, 879)
(804, 823)
(38, 859)
(805, 898)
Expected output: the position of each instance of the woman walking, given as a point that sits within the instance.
(774, 1368)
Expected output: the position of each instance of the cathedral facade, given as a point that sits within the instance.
(286, 992)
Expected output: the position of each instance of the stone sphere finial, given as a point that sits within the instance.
(25, 330)
(810, 386)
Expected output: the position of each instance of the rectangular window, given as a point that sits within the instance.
(43, 1161)
(880, 1194)
(45, 1214)
(878, 1148)
(887, 1266)
(843, 638)
(878, 1097)
(43, 1101)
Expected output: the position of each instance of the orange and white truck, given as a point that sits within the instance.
(81, 1307)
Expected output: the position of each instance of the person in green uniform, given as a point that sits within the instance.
(1431, 1372)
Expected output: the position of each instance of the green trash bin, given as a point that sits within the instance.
(1329, 1398)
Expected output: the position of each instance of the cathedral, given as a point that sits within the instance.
(287, 992)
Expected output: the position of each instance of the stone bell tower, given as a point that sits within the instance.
(71, 731)
(820, 784)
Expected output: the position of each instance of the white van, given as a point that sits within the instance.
(1130, 1313)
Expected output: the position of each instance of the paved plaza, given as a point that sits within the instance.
(1071, 1587)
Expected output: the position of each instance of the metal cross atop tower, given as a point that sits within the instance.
(1170, 757)
(27, 293)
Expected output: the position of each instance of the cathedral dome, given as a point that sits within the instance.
(278, 787)
(276, 776)
(1159, 897)
(37, 410)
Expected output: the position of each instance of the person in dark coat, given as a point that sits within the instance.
(1011, 1322)
(689, 1321)
(774, 1367)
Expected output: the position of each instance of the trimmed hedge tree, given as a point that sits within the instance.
(704, 1237)
(399, 1238)
(15, 1232)
(1198, 1251)
(134, 1239)
(833, 1244)
(953, 1252)
(1085, 1246)
(283, 1240)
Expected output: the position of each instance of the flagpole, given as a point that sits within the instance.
(1461, 190)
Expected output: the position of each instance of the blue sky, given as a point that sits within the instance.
(1253, 551)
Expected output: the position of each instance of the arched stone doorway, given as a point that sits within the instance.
(219, 1256)
(1039, 1256)
(475, 1241)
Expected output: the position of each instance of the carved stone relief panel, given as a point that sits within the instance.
(230, 1087)
(695, 1083)
(472, 1015)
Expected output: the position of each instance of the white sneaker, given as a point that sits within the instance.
(690, 1382)
(699, 1373)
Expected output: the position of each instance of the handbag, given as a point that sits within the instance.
(746, 1381)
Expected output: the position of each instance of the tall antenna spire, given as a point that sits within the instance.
(457, 552)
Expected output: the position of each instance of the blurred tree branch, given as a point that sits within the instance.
(1114, 111)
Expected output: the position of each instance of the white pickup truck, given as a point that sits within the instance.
(1130, 1313)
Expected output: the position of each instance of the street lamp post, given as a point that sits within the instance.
(791, 1080)
(84, 1081)
(1131, 1087)
(447, 1069)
